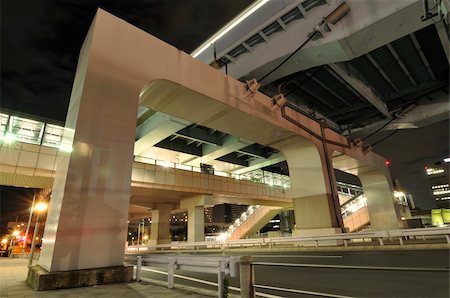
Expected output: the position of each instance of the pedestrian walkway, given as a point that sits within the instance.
(13, 274)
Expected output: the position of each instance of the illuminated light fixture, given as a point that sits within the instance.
(222, 236)
(236, 21)
(399, 194)
(16, 233)
(447, 159)
(66, 148)
(9, 138)
(387, 162)
(4, 241)
(41, 206)
(165, 164)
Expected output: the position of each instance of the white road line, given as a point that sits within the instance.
(297, 256)
(300, 291)
(352, 267)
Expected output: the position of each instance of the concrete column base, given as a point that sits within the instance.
(40, 279)
(318, 232)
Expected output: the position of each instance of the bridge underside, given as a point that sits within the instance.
(121, 65)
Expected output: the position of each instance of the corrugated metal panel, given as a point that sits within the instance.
(272, 28)
(371, 76)
(18, 180)
(339, 88)
(254, 40)
(323, 95)
(310, 4)
(240, 49)
(310, 101)
(291, 16)
(390, 66)
(432, 48)
(408, 54)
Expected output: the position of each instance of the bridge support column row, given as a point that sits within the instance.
(196, 216)
(314, 190)
(160, 227)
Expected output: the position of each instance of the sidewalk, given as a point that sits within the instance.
(13, 274)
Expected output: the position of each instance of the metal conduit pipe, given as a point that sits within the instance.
(330, 169)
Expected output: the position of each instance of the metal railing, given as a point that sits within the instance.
(230, 266)
(223, 266)
(333, 239)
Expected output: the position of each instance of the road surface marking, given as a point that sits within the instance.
(300, 291)
(352, 267)
(296, 256)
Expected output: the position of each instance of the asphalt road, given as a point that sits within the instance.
(361, 282)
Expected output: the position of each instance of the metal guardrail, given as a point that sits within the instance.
(221, 265)
(229, 266)
(334, 239)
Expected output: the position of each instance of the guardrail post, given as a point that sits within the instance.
(139, 268)
(247, 277)
(345, 242)
(381, 241)
(170, 272)
(447, 237)
(401, 240)
(220, 277)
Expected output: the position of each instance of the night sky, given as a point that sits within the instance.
(40, 42)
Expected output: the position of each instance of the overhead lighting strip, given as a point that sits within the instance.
(236, 21)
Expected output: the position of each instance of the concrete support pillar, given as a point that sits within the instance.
(380, 205)
(196, 224)
(160, 227)
(196, 216)
(311, 185)
(286, 221)
(88, 211)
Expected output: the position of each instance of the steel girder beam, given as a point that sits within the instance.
(443, 36)
(259, 163)
(155, 129)
(358, 88)
(229, 145)
(422, 55)
(196, 133)
(234, 159)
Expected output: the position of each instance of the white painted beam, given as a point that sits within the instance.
(212, 152)
(259, 163)
(155, 129)
(443, 36)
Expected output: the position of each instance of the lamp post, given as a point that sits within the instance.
(15, 233)
(40, 207)
(28, 226)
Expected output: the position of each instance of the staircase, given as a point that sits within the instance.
(251, 221)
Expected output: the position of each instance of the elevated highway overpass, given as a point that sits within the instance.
(121, 68)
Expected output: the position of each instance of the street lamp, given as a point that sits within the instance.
(15, 233)
(40, 207)
(28, 225)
